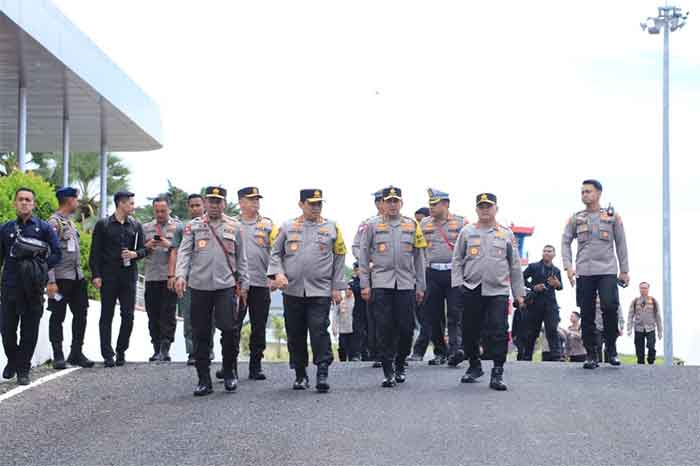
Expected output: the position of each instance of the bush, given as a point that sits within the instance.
(45, 198)
(85, 243)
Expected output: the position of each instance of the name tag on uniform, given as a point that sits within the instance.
(229, 235)
(71, 245)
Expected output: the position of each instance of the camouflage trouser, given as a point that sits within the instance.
(185, 305)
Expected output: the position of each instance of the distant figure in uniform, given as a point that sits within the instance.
(395, 282)
(441, 229)
(359, 314)
(259, 234)
(486, 268)
(160, 299)
(342, 325)
(28, 249)
(544, 279)
(213, 254)
(420, 345)
(67, 286)
(307, 263)
(195, 208)
(117, 243)
(645, 318)
(600, 236)
(575, 351)
(372, 334)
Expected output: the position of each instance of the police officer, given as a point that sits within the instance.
(117, 243)
(22, 294)
(372, 343)
(307, 263)
(441, 230)
(161, 300)
(212, 252)
(67, 286)
(486, 267)
(645, 318)
(393, 245)
(600, 236)
(544, 279)
(259, 233)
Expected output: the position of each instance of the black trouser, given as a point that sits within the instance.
(394, 313)
(542, 311)
(485, 320)
(604, 286)
(372, 331)
(359, 327)
(222, 305)
(440, 294)
(420, 345)
(258, 305)
(121, 285)
(75, 295)
(25, 314)
(161, 307)
(639, 340)
(348, 347)
(307, 315)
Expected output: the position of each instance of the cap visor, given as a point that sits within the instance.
(253, 196)
(485, 202)
(392, 197)
(217, 196)
(315, 200)
(434, 201)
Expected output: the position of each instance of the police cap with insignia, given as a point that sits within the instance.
(215, 191)
(311, 195)
(435, 196)
(66, 192)
(486, 198)
(250, 192)
(392, 192)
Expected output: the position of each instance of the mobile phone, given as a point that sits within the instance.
(621, 284)
(156, 238)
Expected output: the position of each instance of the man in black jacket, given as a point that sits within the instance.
(117, 243)
(22, 305)
(543, 278)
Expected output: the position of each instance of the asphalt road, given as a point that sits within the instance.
(553, 414)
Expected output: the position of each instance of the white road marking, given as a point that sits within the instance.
(48, 378)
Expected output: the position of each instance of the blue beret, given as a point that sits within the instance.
(66, 192)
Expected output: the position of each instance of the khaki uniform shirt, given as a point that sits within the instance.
(488, 257)
(69, 241)
(156, 263)
(438, 250)
(598, 236)
(358, 237)
(644, 315)
(201, 256)
(311, 255)
(395, 250)
(259, 235)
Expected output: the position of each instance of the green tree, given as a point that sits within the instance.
(280, 333)
(245, 339)
(45, 199)
(9, 163)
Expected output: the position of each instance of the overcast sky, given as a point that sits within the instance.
(523, 99)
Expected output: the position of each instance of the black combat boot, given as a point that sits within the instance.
(611, 350)
(591, 359)
(497, 380)
(156, 353)
(23, 378)
(59, 362)
(301, 382)
(121, 359)
(231, 379)
(438, 360)
(165, 351)
(455, 358)
(9, 371)
(400, 371)
(77, 358)
(255, 371)
(204, 386)
(322, 385)
(473, 373)
(389, 375)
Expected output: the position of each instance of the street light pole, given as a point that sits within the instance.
(669, 19)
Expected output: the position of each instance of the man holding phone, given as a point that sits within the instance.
(161, 300)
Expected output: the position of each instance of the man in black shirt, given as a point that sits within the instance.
(117, 243)
(543, 278)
